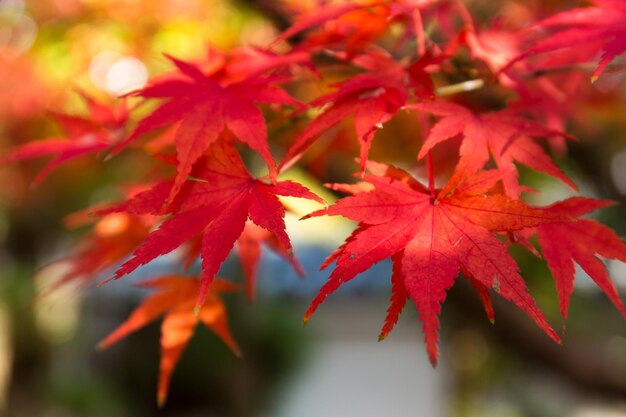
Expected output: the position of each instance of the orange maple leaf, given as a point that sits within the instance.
(175, 299)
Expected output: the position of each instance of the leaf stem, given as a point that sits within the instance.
(461, 87)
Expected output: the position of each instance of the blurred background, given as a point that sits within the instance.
(49, 366)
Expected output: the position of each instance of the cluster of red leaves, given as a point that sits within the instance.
(214, 208)
(100, 131)
(601, 26)
(382, 61)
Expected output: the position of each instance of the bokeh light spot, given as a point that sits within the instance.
(116, 74)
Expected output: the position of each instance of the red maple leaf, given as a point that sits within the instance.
(580, 241)
(495, 46)
(101, 130)
(248, 62)
(204, 109)
(602, 25)
(371, 98)
(431, 238)
(216, 206)
(506, 135)
(175, 299)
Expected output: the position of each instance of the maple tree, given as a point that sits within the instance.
(366, 63)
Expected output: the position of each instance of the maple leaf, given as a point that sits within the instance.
(602, 24)
(504, 134)
(248, 62)
(495, 46)
(249, 253)
(350, 24)
(216, 206)
(420, 79)
(371, 98)
(550, 100)
(431, 238)
(204, 109)
(248, 246)
(100, 131)
(354, 29)
(580, 241)
(175, 299)
(113, 238)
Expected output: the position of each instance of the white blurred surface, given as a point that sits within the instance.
(351, 374)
